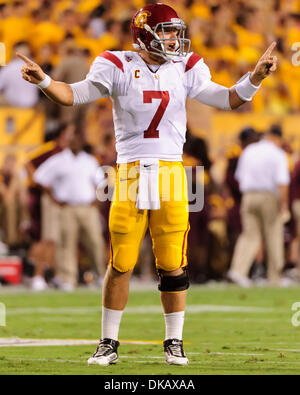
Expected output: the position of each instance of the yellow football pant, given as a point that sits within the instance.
(169, 226)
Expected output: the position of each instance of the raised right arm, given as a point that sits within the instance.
(59, 92)
(86, 91)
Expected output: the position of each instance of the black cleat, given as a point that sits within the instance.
(106, 353)
(174, 353)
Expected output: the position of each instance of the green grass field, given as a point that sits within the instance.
(228, 330)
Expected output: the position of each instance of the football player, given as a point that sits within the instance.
(149, 87)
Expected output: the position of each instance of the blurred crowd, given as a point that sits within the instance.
(64, 36)
(229, 35)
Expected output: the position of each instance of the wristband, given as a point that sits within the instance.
(245, 89)
(45, 83)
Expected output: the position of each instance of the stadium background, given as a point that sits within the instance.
(230, 35)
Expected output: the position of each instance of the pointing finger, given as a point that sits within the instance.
(269, 50)
(24, 58)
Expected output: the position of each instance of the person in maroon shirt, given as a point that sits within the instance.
(196, 152)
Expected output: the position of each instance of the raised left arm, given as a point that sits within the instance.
(239, 94)
(224, 98)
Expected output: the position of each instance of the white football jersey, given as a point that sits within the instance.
(149, 108)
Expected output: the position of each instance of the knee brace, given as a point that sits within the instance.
(173, 283)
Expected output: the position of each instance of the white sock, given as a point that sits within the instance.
(174, 325)
(110, 323)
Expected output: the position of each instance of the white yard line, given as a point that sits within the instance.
(227, 309)
(151, 309)
(226, 353)
(18, 342)
(52, 310)
(22, 342)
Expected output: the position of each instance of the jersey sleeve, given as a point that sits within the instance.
(103, 71)
(87, 91)
(215, 95)
(198, 76)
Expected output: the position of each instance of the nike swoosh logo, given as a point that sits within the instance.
(147, 165)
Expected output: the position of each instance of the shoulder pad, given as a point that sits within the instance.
(193, 59)
(113, 58)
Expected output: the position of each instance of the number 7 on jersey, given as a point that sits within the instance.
(148, 96)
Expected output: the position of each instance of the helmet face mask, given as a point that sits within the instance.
(151, 27)
(181, 44)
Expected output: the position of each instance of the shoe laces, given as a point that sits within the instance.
(103, 349)
(176, 350)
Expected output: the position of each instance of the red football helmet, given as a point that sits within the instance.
(154, 18)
